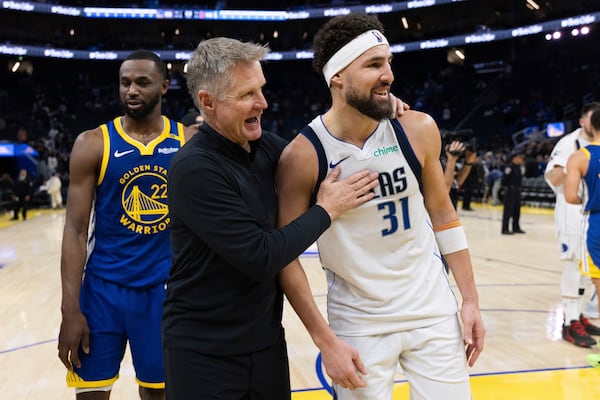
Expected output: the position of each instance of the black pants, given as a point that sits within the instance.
(262, 375)
(22, 205)
(512, 209)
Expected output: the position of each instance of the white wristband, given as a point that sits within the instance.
(451, 238)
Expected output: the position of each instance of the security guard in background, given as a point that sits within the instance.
(511, 185)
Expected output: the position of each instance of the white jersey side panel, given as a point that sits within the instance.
(383, 266)
(567, 217)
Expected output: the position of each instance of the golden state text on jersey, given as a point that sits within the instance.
(129, 241)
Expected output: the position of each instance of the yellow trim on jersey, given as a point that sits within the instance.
(588, 268)
(159, 385)
(105, 154)
(449, 225)
(586, 153)
(180, 134)
(145, 150)
(75, 381)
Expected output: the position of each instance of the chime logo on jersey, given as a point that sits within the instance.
(382, 151)
(144, 199)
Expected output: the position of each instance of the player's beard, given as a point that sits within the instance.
(368, 106)
(144, 110)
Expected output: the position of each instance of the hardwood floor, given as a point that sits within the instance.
(519, 286)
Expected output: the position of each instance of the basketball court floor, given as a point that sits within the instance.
(519, 287)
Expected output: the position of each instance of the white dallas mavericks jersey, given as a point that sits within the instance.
(383, 266)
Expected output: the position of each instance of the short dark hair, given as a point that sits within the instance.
(595, 119)
(339, 31)
(143, 54)
(587, 107)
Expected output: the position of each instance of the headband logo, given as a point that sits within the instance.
(378, 36)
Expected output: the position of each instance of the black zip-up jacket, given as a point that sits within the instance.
(223, 296)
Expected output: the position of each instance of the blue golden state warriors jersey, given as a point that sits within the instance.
(129, 240)
(592, 177)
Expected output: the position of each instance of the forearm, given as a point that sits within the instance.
(460, 264)
(556, 176)
(295, 285)
(449, 172)
(461, 175)
(74, 252)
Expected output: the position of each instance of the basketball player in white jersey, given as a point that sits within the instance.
(389, 300)
(567, 226)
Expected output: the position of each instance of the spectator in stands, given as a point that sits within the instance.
(493, 182)
(474, 180)
(192, 121)
(455, 173)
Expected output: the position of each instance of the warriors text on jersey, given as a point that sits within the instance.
(384, 269)
(129, 241)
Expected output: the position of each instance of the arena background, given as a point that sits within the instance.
(512, 82)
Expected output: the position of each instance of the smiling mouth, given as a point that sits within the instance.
(252, 120)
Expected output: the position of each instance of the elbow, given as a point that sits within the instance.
(572, 199)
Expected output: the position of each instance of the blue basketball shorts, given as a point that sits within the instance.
(118, 315)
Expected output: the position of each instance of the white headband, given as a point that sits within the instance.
(351, 51)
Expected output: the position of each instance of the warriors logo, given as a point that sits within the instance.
(144, 200)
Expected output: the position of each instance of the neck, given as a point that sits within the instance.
(348, 124)
(143, 130)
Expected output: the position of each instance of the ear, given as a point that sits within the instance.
(336, 80)
(206, 100)
(164, 87)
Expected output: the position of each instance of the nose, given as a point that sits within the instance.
(132, 89)
(261, 101)
(387, 75)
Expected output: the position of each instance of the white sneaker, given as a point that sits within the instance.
(591, 309)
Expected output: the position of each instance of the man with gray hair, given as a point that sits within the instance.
(222, 331)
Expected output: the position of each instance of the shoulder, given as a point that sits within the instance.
(423, 134)
(567, 141)
(89, 144)
(273, 140)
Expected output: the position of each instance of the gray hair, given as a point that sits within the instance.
(208, 68)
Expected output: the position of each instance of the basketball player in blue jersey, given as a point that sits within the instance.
(389, 299)
(113, 279)
(582, 186)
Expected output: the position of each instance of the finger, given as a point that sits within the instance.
(359, 365)
(355, 382)
(367, 180)
(359, 178)
(74, 358)
(85, 343)
(334, 174)
(63, 355)
(473, 353)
